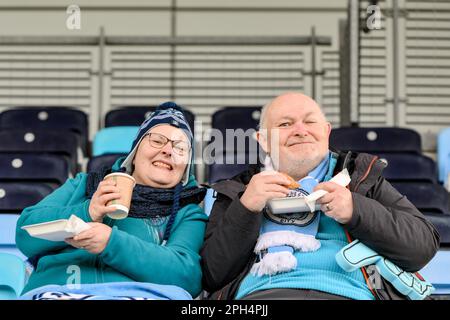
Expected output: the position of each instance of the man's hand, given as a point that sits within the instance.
(106, 191)
(93, 240)
(263, 187)
(337, 203)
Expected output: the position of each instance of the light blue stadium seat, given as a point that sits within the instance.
(437, 272)
(114, 140)
(443, 154)
(12, 276)
(8, 235)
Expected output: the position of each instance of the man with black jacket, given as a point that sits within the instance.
(294, 133)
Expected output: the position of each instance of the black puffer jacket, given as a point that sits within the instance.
(383, 219)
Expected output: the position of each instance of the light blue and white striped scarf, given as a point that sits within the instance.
(282, 234)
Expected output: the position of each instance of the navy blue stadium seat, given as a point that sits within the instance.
(427, 197)
(33, 167)
(106, 160)
(240, 143)
(231, 166)
(41, 142)
(225, 171)
(15, 196)
(409, 167)
(135, 115)
(236, 118)
(376, 140)
(240, 140)
(60, 119)
(433, 201)
(442, 224)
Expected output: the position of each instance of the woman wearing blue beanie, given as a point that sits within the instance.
(151, 254)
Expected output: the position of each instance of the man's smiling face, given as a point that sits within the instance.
(301, 129)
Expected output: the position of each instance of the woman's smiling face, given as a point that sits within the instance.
(157, 165)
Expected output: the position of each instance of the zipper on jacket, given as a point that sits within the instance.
(364, 177)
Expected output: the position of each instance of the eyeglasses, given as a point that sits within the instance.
(159, 141)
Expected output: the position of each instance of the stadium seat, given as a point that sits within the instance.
(39, 141)
(33, 167)
(106, 160)
(114, 140)
(437, 272)
(442, 225)
(409, 167)
(427, 197)
(8, 234)
(229, 155)
(219, 172)
(135, 115)
(376, 140)
(12, 276)
(59, 119)
(230, 165)
(443, 155)
(236, 118)
(239, 142)
(15, 196)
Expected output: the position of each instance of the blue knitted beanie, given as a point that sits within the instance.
(166, 113)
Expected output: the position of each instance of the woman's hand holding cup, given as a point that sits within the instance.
(125, 183)
(106, 191)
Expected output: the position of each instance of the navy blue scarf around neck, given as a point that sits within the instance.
(149, 202)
